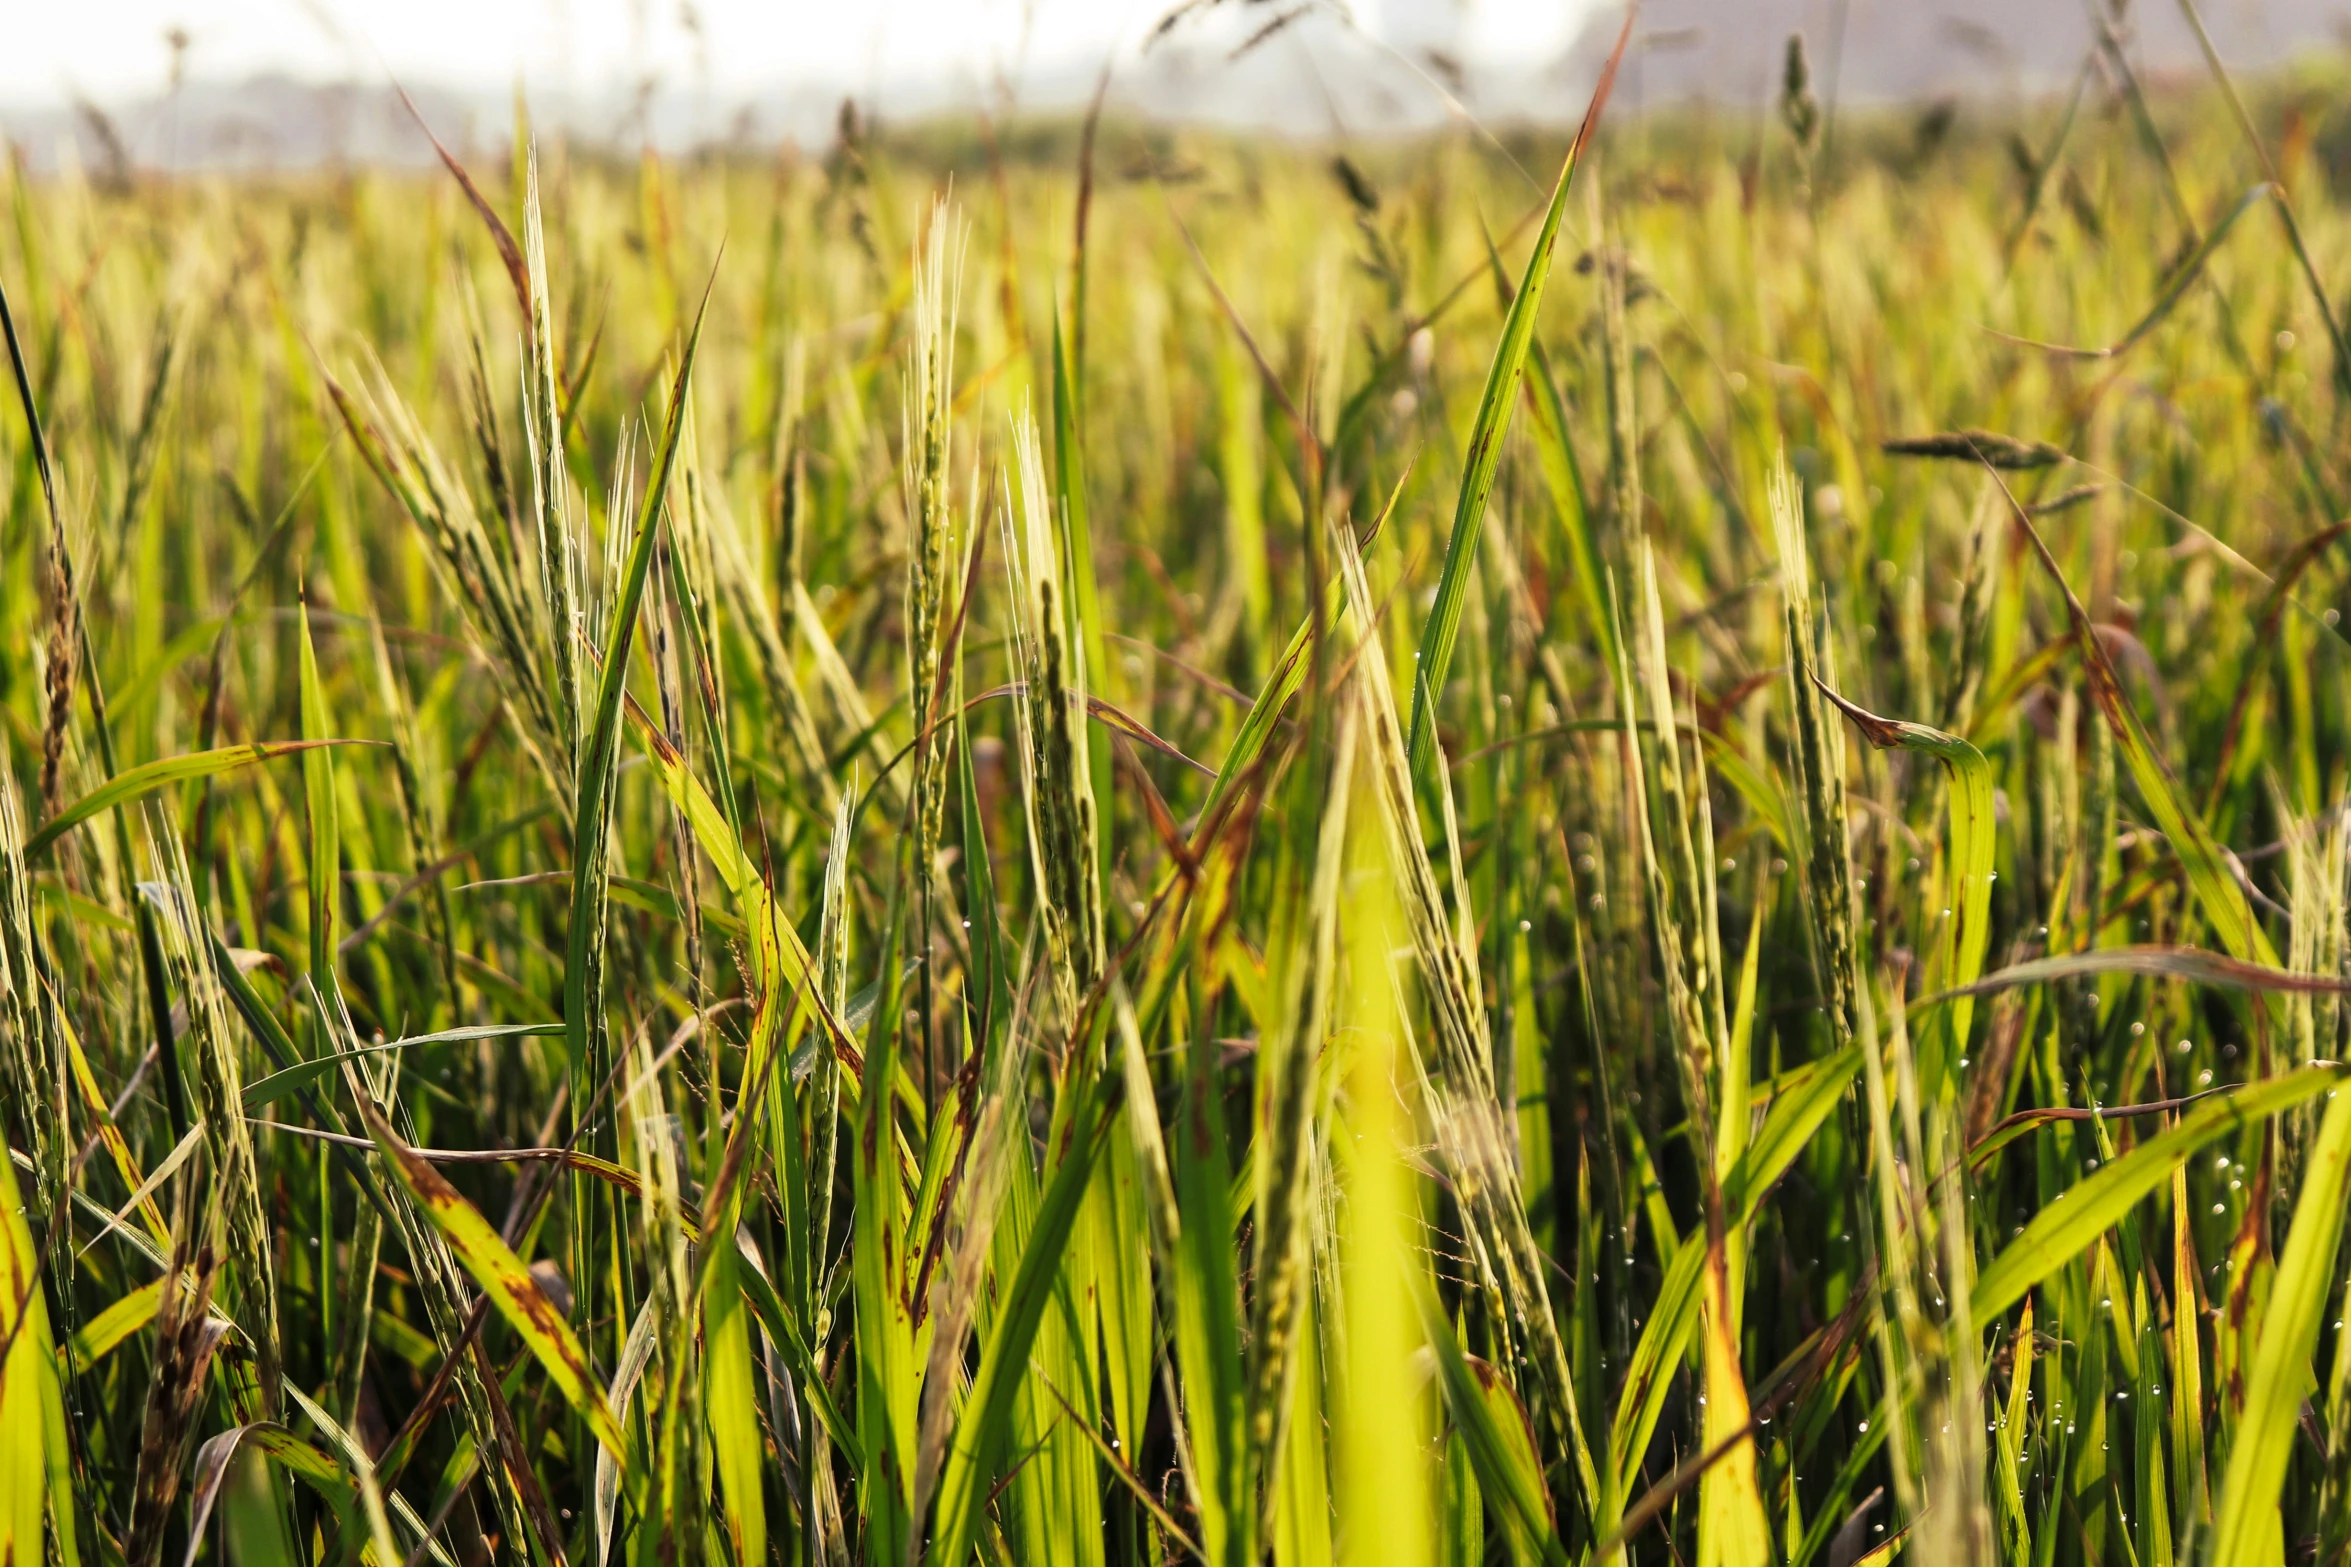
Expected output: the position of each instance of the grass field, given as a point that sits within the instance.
(1126, 847)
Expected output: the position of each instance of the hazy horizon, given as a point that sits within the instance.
(132, 49)
(282, 83)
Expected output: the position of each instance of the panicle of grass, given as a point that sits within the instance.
(37, 1073)
(1342, 1154)
(61, 658)
(1679, 909)
(209, 1048)
(139, 460)
(1818, 761)
(1468, 1118)
(1623, 395)
(824, 1082)
(421, 818)
(186, 1339)
(927, 442)
(558, 601)
(1963, 681)
(474, 570)
(65, 627)
(770, 623)
(1288, 1111)
(488, 430)
(1988, 447)
(1051, 704)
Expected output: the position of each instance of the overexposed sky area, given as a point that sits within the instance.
(57, 50)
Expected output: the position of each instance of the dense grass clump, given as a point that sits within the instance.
(1186, 853)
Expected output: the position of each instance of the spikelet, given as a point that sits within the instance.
(35, 1062)
(1290, 1112)
(930, 513)
(1468, 1118)
(186, 1336)
(1051, 719)
(558, 600)
(495, 600)
(1818, 758)
(209, 1047)
(61, 660)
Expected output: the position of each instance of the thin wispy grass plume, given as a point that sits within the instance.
(1113, 844)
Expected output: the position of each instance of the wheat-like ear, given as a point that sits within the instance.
(770, 622)
(36, 1069)
(928, 439)
(209, 1054)
(507, 618)
(931, 555)
(1290, 1103)
(60, 662)
(558, 602)
(1818, 759)
(832, 983)
(1051, 709)
(1468, 1120)
(186, 1337)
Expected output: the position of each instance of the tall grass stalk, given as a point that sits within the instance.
(1627, 879)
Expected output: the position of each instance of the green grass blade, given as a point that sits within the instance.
(1495, 406)
(138, 782)
(318, 798)
(1732, 1530)
(501, 1274)
(1563, 477)
(2217, 891)
(1205, 1297)
(1385, 1503)
(2087, 1210)
(28, 1368)
(2248, 1527)
(294, 1079)
(593, 799)
(730, 1401)
(881, 1281)
(1288, 674)
(289, 1452)
(1495, 1431)
(1796, 1116)
(982, 1429)
(783, 1331)
(1974, 834)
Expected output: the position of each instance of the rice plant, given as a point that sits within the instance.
(1111, 845)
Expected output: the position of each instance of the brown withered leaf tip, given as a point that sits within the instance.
(1883, 733)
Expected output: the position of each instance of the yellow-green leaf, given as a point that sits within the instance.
(32, 1467)
(137, 782)
(2093, 1205)
(502, 1276)
(2248, 1527)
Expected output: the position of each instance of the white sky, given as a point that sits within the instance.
(116, 49)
